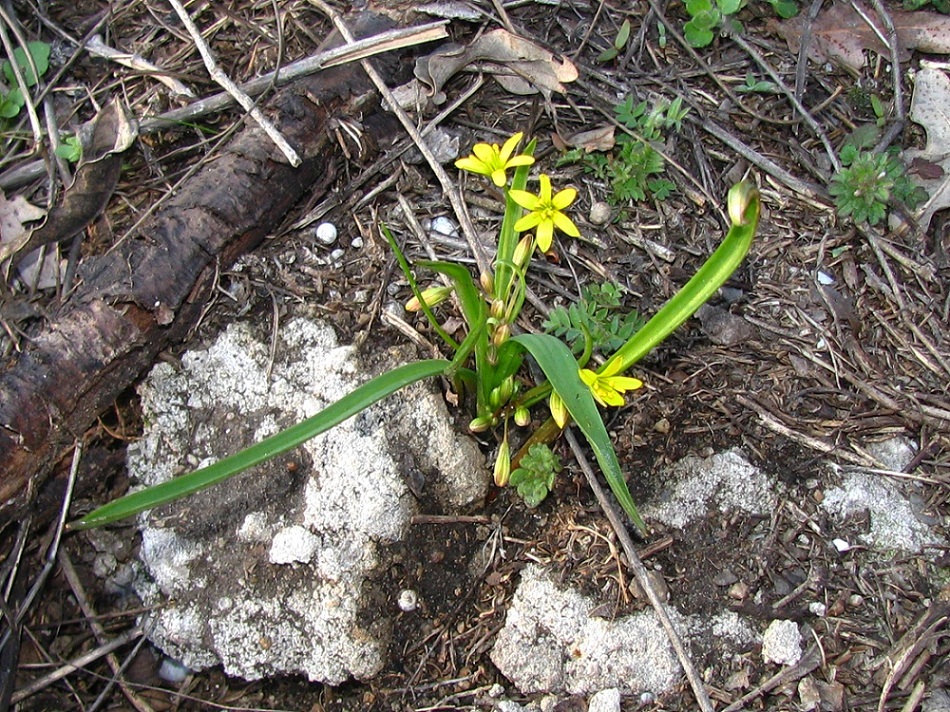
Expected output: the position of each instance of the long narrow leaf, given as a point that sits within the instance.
(558, 364)
(364, 396)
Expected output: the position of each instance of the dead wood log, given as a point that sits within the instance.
(149, 292)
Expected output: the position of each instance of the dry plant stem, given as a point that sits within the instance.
(765, 164)
(890, 39)
(53, 550)
(76, 664)
(468, 229)
(350, 52)
(806, 665)
(7, 21)
(98, 48)
(79, 591)
(801, 66)
(229, 86)
(790, 95)
(640, 572)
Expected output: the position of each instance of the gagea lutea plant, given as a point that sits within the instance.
(487, 363)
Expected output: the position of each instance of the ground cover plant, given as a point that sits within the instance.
(822, 353)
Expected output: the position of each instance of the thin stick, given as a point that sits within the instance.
(640, 572)
(468, 229)
(229, 86)
(98, 48)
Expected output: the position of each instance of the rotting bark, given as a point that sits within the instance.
(149, 292)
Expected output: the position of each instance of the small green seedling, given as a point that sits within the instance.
(632, 170)
(757, 86)
(13, 100)
(70, 149)
(869, 182)
(487, 365)
(705, 17)
(620, 43)
(596, 322)
(534, 478)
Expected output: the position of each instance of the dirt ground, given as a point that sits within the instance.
(816, 372)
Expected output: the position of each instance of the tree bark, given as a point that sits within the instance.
(148, 293)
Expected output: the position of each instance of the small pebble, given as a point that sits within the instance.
(326, 233)
(173, 671)
(408, 600)
(826, 279)
(599, 213)
(356, 243)
(337, 255)
(818, 608)
(444, 226)
(841, 545)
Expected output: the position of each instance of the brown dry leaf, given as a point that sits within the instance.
(841, 35)
(930, 108)
(599, 139)
(14, 214)
(520, 66)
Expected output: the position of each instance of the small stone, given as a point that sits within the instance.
(408, 600)
(599, 213)
(782, 643)
(738, 591)
(356, 243)
(818, 608)
(605, 701)
(662, 426)
(326, 233)
(173, 671)
(808, 694)
(855, 600)
(841, 545)
(444, 226)
(337, 255)
(725, 578)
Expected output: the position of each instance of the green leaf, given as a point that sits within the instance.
(698, 7)
(622, 36)
(39, 51)
(560, 368)
(363, 397)
(11, 104)
(697, 35)
(729, 7)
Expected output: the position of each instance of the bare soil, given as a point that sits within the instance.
(819, 372)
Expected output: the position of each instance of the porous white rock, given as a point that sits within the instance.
(782, 643)
(274, 571)
(551, 643)
(726, 481)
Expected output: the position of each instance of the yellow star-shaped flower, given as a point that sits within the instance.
(489, 160)
(608, 389)
(546, 212)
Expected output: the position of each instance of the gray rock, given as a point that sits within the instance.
(552, 643)
(782, 643)
(605, 701)
(726, 481)
(277, 570)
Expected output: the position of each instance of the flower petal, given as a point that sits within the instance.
(498, 177)
(485, 153)
(520, 160)
(623, 383)
(528, 221)
(545, 193)
(608, 397)
(565, 225)
(509, 146)
(564, 198)
(528, 201)
(545, 233)
(472, 165)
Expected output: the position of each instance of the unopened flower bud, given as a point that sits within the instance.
(522, 416)
(487, 282)
(432, 296)
(501, 335)
(480, 425)
(741, 195)
(507, 389)
(558, 410)
(523, 251)
(497, 310)
(503, 464)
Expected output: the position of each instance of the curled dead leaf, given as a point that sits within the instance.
(930, 108)
(840, 35)
(520, 66)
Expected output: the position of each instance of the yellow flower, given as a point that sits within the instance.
(489, 160)
(545, 212)
(607, 389)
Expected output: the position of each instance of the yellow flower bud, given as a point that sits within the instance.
(522, 416)
(431, 296)
(558, 410)
(501, 335)
(487, 282)
(523, 251)
(503, 464)
(497, 310)
(480, 425)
